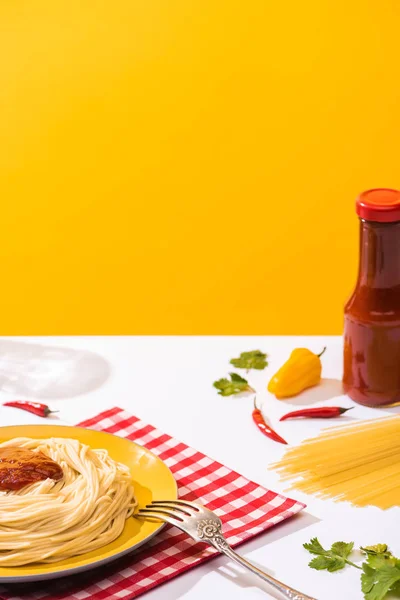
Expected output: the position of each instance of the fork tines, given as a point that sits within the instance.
(169, 510)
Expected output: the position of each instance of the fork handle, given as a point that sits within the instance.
(220, 543)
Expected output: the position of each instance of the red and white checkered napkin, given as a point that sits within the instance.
(246, 509)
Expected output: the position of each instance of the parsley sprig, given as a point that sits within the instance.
(380, 570)
(235, 385)
(255, 359)
(331, 560)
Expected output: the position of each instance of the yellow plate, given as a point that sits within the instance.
(152, 480)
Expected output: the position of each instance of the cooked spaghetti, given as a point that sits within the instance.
(51, 520)
(358, 463)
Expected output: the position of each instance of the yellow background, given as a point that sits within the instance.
(190, 166)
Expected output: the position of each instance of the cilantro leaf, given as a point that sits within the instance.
(331, 560)
(395, 589)
(314, 547)
(380, 574)
(255, 359)
(367, 579)
(342, 549)
(380, 571)
(330, 563)
(235, 385)
(377, 549)
(237, 378)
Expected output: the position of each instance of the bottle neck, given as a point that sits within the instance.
(379, 254)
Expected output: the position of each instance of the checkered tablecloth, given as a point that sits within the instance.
(246, 509)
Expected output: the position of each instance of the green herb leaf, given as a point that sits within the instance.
(380, 571)
(314, 547)
(342, 549)
(255, 359)
(235, 385)
(237, 378)
(331, 560)
(377, 549)
(329, 563)
(380, 575)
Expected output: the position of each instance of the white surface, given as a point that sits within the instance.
(168, 382)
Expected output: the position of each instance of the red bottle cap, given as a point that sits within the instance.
(381, 205)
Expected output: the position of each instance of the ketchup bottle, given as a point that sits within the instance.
(372, 315)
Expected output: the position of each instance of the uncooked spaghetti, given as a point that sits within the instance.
(358, 463)
(49, 520)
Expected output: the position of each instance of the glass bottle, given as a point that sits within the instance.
(372, 315)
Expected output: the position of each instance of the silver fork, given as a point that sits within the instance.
(204, 526)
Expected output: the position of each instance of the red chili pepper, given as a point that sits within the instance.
(42, 410)
(322, 412)
(263, 427)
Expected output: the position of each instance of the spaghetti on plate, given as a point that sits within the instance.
(81, 509)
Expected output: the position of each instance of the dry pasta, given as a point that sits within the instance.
(51, 520)
(358, 463)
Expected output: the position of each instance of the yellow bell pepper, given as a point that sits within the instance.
(301, 371)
